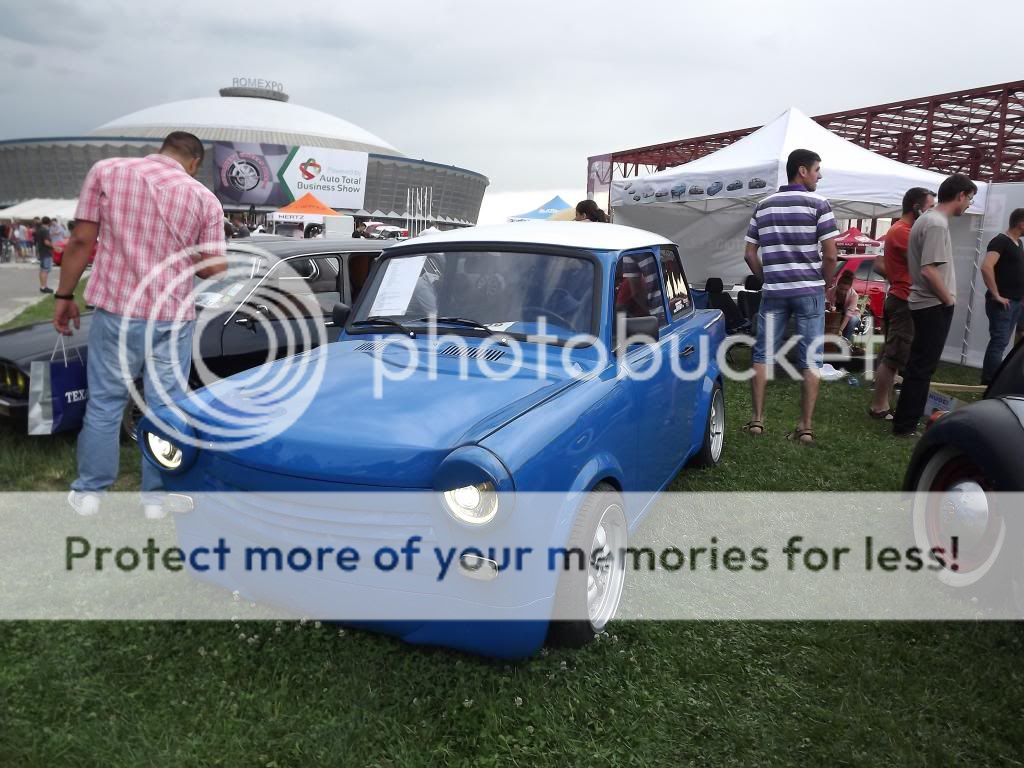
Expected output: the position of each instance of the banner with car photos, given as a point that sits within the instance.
(684, 188)
(276, 174)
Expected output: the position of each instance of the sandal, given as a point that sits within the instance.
(750, 426)
(802, 436)
(885, 415)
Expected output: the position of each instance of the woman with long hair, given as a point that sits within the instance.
(588, 210)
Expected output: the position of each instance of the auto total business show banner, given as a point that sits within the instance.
(275, 174)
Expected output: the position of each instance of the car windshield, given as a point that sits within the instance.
(504, 291)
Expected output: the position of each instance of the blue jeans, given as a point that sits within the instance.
(808, 313)
(1002, 322)
(99, 444)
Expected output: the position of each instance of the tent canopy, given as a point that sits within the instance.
(858, 182)
(55, 209)
(705, 206)
(543, 212)
(308, 204)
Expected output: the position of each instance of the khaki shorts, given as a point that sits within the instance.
(899, 333)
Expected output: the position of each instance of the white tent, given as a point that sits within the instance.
(705, 205)
(55, 209)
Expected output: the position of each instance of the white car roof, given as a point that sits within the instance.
(573, 234)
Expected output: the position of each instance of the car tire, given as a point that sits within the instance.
(600, 526)
(952, 487)
(710, 453)
(131, 417)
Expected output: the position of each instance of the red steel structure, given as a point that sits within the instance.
(979, 132)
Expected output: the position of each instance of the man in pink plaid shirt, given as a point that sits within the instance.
(156, 226)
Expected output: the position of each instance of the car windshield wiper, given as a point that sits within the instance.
(460, 321)
(381, 320)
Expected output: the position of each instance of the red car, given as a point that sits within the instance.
(58, 253)
(865, 280)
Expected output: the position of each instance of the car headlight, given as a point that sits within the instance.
(166, 453)
(473, 504)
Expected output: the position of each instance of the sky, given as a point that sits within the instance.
(522, 92)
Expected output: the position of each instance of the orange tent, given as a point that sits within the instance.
(308, 204)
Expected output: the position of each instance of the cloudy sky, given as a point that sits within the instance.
(520, 91)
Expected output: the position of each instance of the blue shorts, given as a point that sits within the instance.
(46, 263)
(808, 313)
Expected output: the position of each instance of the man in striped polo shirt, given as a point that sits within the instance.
(788, 228)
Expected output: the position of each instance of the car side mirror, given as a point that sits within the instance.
(339, 314)
(636, 330)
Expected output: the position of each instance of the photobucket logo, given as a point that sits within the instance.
(690, 353)
(251, 306)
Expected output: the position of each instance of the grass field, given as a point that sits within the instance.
(645, 694)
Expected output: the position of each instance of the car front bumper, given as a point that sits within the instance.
(13, 407)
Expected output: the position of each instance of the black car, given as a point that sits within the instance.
(733, 186)
(238, 318)
(982, 442)
(756, 183)
(961, 474)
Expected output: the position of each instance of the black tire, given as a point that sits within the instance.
(571, 596)
(710, 453)
(130, 419)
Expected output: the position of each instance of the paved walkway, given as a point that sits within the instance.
(19, 288)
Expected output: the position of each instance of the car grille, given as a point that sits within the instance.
(13, 383)
(329, 517)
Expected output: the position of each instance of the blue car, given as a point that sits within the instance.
(598, 444)
(715, 188)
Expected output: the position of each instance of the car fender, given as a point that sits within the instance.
(990, 432)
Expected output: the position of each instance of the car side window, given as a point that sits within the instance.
(638, 286)
(358, 271)
(325, 274)
(676, 289)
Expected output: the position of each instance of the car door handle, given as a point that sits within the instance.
(688, 350)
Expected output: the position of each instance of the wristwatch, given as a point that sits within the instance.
(64, 296)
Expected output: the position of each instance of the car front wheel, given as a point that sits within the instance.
(714, 431)
(588, 598)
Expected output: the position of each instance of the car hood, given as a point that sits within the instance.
(36, 342)
(338, 430)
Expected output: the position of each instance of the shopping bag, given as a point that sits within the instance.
(58, 392)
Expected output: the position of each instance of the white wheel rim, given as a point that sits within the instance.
(716, 425)
(606, 573)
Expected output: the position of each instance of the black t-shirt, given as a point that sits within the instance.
(1009, 269)
(41, 236)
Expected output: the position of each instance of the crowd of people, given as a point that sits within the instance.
(790, 245)
(28, 241)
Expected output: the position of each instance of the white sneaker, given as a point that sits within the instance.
(154, 511)
(84, 503)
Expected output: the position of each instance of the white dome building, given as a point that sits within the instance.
(56, 167)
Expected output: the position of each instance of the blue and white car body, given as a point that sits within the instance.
(561, 432)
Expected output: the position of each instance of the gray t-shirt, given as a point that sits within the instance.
(930, 244)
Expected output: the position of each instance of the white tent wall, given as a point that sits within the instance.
(710, 243)
(965, 233)
(970, 341)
